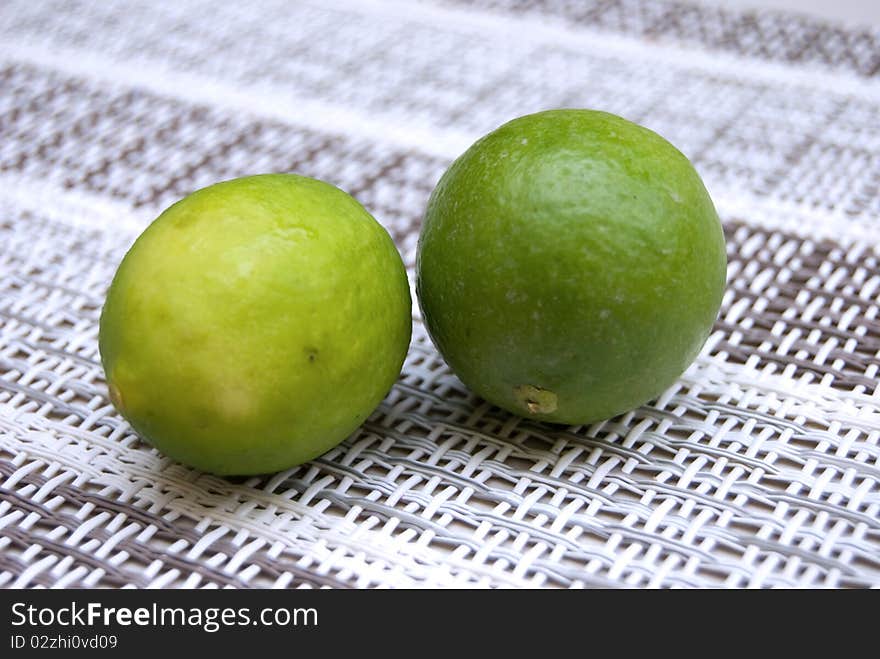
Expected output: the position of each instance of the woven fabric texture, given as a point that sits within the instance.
(759, 468)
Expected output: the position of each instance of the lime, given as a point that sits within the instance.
(570, 265)
(255, 324)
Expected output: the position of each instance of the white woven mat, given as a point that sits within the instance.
(759, 468)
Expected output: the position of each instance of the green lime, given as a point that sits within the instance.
(570, 266)
(255, 324)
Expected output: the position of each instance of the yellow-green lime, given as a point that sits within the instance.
(255, 324)
(570, 266)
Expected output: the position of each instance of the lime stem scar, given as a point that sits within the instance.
(534, 399)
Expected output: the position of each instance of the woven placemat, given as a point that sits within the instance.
(760, 467)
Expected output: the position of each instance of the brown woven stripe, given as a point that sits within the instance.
(787, 299)
(164, 533)
(774, 36)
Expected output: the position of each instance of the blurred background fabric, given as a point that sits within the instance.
(759, 468)
(855, 12)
